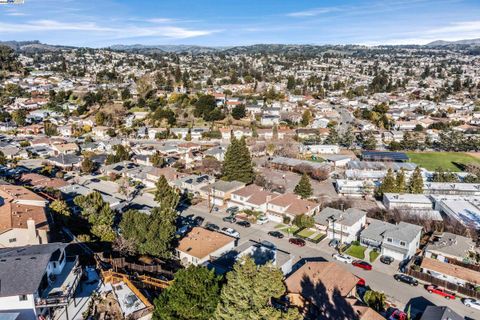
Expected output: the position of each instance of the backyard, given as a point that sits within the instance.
(445, 160)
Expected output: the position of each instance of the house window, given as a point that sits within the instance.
(402, 243)
(12, 240)
(389, 239)
(22, 297)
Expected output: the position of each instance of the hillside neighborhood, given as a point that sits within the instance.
(245, 183)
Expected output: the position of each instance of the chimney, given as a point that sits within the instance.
(31, 231)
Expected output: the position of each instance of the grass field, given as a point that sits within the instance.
(356, 251)
(445, 160)
(374, 255)
(306, 233)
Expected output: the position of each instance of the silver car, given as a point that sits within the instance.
(472, 303)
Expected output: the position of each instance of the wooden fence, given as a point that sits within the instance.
(442, 283)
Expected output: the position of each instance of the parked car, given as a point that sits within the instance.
(406, 279)
(230, 219)
(362, 264)
(198, 221)
(396, 314)
(232, 210)
(441, 291)
(386, 259)
(212, 227)
(262, 220)
(298, 242)
(472, 303)
(276, 234)
(268, 244)
(244, 224)
(231, 232)
(342, 258)
(334, 243)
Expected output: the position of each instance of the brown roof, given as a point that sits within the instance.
(255, 194)
(14, 193)
(364, 312)
(38, 180)
(168, 172)
(201, 242)
(329, 275)
(295, 205)
(459, 272)
(13, 215)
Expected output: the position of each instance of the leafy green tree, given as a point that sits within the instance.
(157, 160)
(304, 221)
(121, 154)
(98, 214)
(60, 209)
(304, 188)
(87, 165)
(50, 129)
(152, 233)
(238, 112)
(3, 159)
(442, 175)
(388, 183)
(238, 162)
(400, 182)
(193, 296)
(248, 293)
(375, 300)
(19, 117)
(333, 137)
(306, 118)
(166, 195)
(415, 184)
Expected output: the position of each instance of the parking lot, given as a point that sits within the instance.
(380, 278)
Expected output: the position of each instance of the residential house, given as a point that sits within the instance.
(440, 313)
(251, 197)
(450, 272)
(193, 183)
(219, 192)
(342, 225)
(288, 206)
(37, 278)
(319, 149)
(66, 161)
(201, 245)
(449, 246)
(407, 201)
(402, 241)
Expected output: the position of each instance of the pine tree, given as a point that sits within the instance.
(248, 292)
(165, 195)
(193, 296)
(304, 188)
(238, 162)
(388, 183)
(400, 183)
(415, 184)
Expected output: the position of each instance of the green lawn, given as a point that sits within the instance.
(356, 251)
(306, 233)
(445, 160)
(374, 255)
(318, 236)
(287, 229)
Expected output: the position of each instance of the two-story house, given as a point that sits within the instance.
(220, 192)
(342, 225)
(401, 241)
(251, 197)
(289, 206)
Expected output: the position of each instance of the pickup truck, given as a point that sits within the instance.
(441, 291)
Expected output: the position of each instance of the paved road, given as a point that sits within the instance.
(380, 279)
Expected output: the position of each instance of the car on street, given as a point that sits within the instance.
(362, 264)
(406, 279)
(472, 303)
(262, 220)
(386, 259)
(334, 243)
(244, 224)
(342, 258)
(198, 220)
(396, 314)
(276, 234)
(441, 291)
(297, 242)
(212, 227)
(231, 232)
(232, 210)
(230, 219)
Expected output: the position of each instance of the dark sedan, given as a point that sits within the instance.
(276, 234)
(406, 279)
(297, 242)
(244, 224)
(230, 219)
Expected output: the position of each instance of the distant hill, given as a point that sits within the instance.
(166, 48)
(32, 46)
(467, 42)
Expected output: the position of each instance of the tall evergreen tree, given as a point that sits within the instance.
(193, 296)
(415, 184)
(400, 182)
(304, 188)
(388, 183)
(238, 162)
(166, 195)
(248, 293)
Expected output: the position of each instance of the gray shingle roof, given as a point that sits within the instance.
(346, 218)
(22, 268)
(440, 313)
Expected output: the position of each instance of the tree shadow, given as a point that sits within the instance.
(320, 304)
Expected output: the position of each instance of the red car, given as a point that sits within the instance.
(362, 264)
(298, 242)
(441, 291)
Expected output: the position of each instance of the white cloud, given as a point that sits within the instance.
(455, 27)
(313, 12)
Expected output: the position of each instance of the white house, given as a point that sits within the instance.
(342, 225)
(289, 206)
(401, 241)
(251, 197)
(407, 201)
(319, 149)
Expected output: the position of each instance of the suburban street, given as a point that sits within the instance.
(379, 279)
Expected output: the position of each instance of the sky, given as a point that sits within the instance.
(101, 23)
